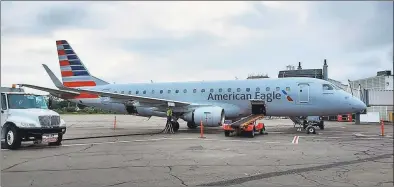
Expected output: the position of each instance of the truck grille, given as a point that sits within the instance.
(49, 121)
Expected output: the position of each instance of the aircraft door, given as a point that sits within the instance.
(303, 93)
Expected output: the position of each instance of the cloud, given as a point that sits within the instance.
(179, 41)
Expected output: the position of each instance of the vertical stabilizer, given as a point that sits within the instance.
(74, 72)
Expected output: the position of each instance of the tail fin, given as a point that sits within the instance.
(74, 73)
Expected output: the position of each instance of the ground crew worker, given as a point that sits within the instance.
(169, 115)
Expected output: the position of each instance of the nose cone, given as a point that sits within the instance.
(358, 105)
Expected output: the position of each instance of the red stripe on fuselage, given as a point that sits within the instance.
(79, 84)
(82, 95)
(86, 96)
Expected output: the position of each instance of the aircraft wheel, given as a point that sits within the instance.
(227, 133)
(175, 126)
(321, 125)
(311, 130)
(191, 125)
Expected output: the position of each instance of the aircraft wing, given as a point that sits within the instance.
(55, 92)
(125, 97)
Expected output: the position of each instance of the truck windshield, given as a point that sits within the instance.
(25, 101)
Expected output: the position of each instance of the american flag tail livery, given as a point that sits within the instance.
(74, 72)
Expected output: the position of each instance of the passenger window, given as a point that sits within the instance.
(267, 89)
(115, 91)
(129, 92)
(277, 89)
(238, 89)
(169, 91)
(3, 102)
(327, 87)
(220, 90)
(211, 90)
(153, 91)
(144, 92)
(136, 92)
(248, 89)
(176, 91)
(288, 89)
(203, 90)
(185, 90)
(122, 92)
(161, 91)
(257, 89)
(229, 90)
(194, 90)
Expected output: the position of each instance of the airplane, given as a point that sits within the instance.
(212, 102)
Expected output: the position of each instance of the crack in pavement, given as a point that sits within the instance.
(241, 180)
(182, 182)
(119, 183)
(33, 159)
(308, 179)
(153, 166)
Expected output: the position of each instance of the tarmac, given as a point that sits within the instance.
(135, 153)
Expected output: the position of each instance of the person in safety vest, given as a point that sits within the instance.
(169, 115)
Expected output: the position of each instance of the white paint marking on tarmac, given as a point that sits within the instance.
(295, 140)
(157, 139)
(370, 138)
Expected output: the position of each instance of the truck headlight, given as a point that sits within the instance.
(62, 122)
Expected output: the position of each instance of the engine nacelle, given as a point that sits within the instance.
(210, 116)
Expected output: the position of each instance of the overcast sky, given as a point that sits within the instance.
(126, 42)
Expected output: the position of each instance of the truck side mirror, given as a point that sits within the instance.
(49, 103)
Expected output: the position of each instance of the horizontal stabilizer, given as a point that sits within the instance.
(54, 92)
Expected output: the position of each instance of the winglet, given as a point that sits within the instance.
(53, 77)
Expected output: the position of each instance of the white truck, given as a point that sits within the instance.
(26, 117)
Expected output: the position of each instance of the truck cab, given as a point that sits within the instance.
(26, 117)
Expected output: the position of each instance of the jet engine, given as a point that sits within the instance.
(210, 116)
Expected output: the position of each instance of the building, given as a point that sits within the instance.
(299, 72)
(377, 92)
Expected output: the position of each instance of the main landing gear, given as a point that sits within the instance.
(172, 126)
(191, 125)
(175, 125)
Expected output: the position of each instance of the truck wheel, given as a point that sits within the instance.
(227, 133)
(12, 138)
(58, 142)
(310, 130)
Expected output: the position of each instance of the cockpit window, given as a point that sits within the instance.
(327, 87)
